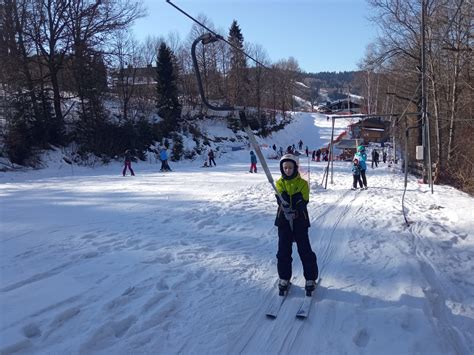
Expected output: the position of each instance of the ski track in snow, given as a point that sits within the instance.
(185, 263)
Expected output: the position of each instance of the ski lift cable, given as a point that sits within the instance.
(217, 35)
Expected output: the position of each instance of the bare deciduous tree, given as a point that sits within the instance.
(448, 47)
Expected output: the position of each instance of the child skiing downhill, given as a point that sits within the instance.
(293, 223)
(253, 162)
(356, 175)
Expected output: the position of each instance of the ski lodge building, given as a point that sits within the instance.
(370, 130)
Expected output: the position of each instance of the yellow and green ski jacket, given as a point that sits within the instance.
(296, 192)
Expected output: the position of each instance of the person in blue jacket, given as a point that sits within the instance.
(361, 157)
(253, 162)
(164, 160)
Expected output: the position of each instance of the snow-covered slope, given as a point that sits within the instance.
(184, 262)
(312, 128)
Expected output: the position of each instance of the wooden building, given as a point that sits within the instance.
(370, 130)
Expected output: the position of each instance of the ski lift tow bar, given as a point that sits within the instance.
(210, 38)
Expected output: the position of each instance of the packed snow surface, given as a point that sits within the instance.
(184, 262)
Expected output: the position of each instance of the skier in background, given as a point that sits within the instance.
(361, 157)
(253, 162)
(318, 155)
(211, 158)
(325, 156)
(295, 191)
(375, 158)
(164, 160)
(128, 163)
(306, 151)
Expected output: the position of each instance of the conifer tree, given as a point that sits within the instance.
(168, 104)
(238, 81)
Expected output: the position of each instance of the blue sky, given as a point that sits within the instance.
(322, 35)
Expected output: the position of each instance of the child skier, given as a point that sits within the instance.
(128, 163)
(253, 162)
(164, 160)
(293, 222)
(356, 175)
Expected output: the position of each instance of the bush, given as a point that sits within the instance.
(190, 154)
(233, 123)
(18, 143)
(178, 147)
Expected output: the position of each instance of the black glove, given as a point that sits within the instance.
(289, 213)
(298, 202)
(286, 198)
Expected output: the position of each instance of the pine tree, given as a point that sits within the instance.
(238, 80)
(168, 104)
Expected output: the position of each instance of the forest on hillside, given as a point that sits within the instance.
(73, 74)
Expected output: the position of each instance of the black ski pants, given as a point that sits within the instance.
(285, 248)
(364, 179)
(356, 179)
(165, 166)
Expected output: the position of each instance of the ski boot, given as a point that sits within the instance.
(309, 287)
(283, 286)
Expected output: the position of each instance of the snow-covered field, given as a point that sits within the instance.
(184, 262)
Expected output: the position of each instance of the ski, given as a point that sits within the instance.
(305, 307)
(275, 305)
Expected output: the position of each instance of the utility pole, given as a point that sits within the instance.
(331, 154)
(424, 117)
(349, 99)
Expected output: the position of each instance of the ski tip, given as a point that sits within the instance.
(271, 316)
